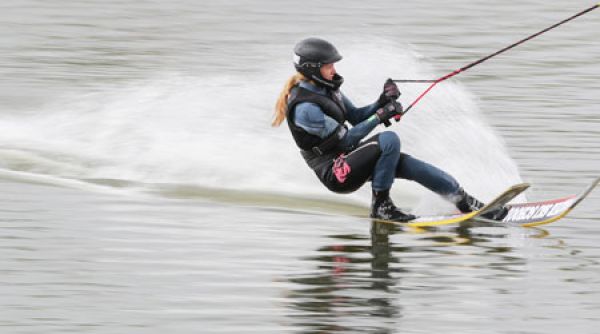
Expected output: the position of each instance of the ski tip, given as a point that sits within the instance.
(520, 187)
(594, 184)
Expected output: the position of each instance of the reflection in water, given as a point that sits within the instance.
(357, 286)
(353, 283)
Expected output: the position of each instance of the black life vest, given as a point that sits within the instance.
(332, 106)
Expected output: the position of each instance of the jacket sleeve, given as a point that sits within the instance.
(356, 115)
(358, 132)
(313, 120)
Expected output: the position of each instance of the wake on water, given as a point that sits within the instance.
(214, 133)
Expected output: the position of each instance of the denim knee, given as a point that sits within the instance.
(389, 142)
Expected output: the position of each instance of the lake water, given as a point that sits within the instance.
(143, 190)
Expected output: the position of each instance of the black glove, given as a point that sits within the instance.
(390, 92)
(391, 109)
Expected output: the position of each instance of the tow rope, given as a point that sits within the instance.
(434, 82)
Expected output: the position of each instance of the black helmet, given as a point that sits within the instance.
(310, 54)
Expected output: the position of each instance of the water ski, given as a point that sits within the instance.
(544, 212)
(523, 214)
(499, 201)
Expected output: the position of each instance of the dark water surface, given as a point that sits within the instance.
(87, 263)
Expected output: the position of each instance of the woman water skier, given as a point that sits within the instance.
(317, 113)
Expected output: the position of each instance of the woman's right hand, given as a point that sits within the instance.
(391, 109)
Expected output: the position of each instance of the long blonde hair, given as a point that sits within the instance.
(281, 105)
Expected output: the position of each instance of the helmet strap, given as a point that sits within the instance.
(334, 84)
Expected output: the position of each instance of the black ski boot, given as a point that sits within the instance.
(467, 203)
(382, 207)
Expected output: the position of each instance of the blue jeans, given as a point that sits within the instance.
(392, 164)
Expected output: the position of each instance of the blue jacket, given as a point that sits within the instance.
(313, 120)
